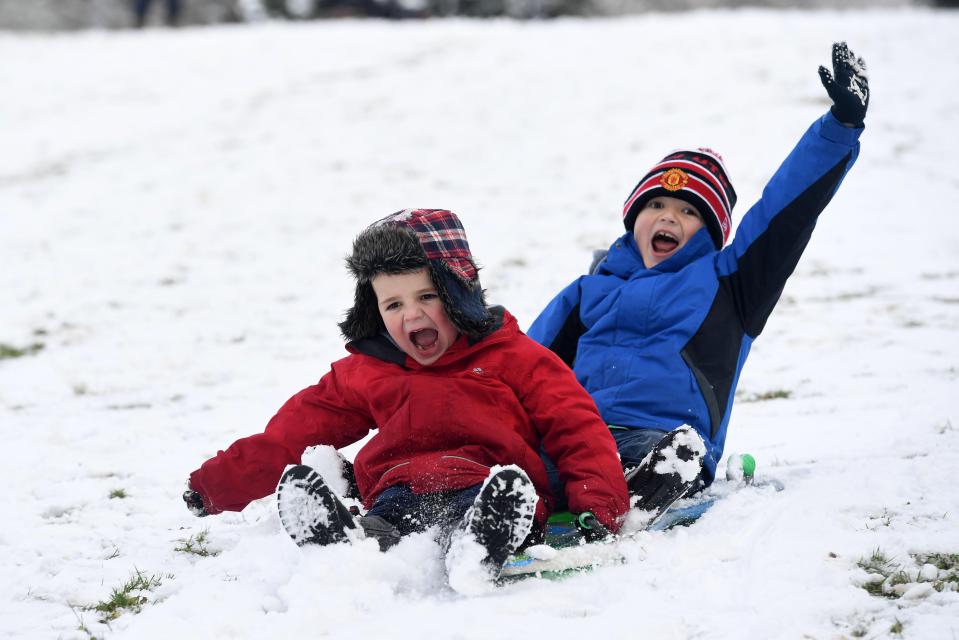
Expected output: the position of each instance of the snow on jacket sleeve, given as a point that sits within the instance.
(559, 327)
(573, 434)
(325, 413)
(775, 231)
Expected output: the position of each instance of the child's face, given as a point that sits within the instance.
(663, 227)
(414, 315)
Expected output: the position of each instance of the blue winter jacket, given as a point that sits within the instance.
(662, 347)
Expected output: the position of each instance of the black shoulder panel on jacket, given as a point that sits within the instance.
(746, 297)
(769, 261)
(713, 353)
(566, 341)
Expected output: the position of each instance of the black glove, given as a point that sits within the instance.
(194, 503)
(847, 85)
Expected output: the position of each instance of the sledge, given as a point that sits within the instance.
(566, 550)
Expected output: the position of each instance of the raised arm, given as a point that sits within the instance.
(775, 231)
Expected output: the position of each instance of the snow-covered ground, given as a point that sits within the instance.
(174, 211)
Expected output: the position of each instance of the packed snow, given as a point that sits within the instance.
(174, 212)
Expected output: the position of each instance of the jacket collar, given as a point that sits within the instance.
(383, 348)
(625, 261)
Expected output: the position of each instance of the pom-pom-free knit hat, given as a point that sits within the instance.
(411, 240)
(697, 176)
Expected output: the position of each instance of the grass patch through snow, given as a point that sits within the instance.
(773, 394)
(8, 352)
(197, 544)
(127, 597)
(889, 579)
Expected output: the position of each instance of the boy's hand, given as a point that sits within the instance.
(847, 85)
(194, 502)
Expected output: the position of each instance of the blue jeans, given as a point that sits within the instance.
(633, 445)
(410, 512)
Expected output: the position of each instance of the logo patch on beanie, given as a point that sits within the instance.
(674, 179)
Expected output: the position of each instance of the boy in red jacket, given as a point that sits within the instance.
(462, 402)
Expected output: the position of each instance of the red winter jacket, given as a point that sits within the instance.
(440, 427)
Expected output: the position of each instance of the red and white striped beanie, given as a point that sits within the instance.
(697, 176)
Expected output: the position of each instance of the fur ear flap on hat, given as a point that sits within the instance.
(379, 249)
(363, 319)
(401, 243)
(465, 305)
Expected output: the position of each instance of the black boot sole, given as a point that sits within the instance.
(309, 511)
(500, 517)
(656, 492)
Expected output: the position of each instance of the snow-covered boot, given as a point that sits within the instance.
(309, 511)
(497, 523)
(381, 530)
(667, 473)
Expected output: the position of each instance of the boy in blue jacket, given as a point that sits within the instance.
(659, 331)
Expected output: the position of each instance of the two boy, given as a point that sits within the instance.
(462, 403)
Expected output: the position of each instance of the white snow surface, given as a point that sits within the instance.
(465, 572)
(174, 212)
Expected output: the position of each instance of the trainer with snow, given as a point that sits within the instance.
(462, 403)
(659, 329)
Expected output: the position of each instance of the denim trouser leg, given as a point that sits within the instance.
(410, 512)
(633, 446)
(556, 486)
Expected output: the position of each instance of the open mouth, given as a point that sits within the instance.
(664, 242)
(424, 339)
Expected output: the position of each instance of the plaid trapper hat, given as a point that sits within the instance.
(407, 241)
(442, 237)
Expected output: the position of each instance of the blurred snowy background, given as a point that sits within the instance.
(118, 14)
(175, 206)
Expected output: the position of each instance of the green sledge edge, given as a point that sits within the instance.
(561, 533)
